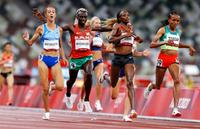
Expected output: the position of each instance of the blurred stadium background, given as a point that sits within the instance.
(146, 16)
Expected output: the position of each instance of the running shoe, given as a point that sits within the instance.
(98, 105)
(176, 113)
(126, 118)
(69, 103)
(87, 106)
(80, 105)
(133, 114)
(147, 91)
(46, 116)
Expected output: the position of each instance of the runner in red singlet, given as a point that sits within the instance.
(80, 57)
(6, 70)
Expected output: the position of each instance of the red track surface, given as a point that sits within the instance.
(30, 118)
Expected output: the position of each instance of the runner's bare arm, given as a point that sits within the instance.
(69, 28)
(36, 35)
(155, 43)
(114, 37)
(191, 49)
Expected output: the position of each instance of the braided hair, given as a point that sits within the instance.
(80, 10)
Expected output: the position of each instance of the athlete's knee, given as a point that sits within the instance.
(113, 83)
(155, 86)
(129, 87)
(89, 75)
(129, 83)
(45, 91)
(44, 83)
(60, 86)
(88, 69)
(176, 82)
(99, 83)
(88, 80)
(71, 81)
(115, 92)
(10, 86)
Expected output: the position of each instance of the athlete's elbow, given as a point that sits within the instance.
(152, 45)
(110, 40)
(29, 44)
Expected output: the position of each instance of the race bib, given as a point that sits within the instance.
(8, 64)
(174, 38)
(97, 41)
(51, 44)
(82, 44)
(127, 41)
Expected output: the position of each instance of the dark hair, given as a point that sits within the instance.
(81, 10)
(172, 13)
(119, 15)
(165, 22)
(5, 44)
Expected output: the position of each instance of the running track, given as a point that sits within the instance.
(30, 118)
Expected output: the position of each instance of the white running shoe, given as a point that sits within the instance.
(51, 86)
(46, 116)
(133, 114)
(80, 105)
(87, 106)
(69, 103)
(126, 118)
(147, 91)
(98, 105)
(103, 77)
(176, 113)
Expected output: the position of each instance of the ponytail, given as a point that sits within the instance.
(109, 22)
(164, 22)
(38, 14)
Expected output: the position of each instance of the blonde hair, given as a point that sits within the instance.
(93, 20)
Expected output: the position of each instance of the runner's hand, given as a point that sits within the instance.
(171, 43)
(25, 36)
(192, 51)
(146, 52)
